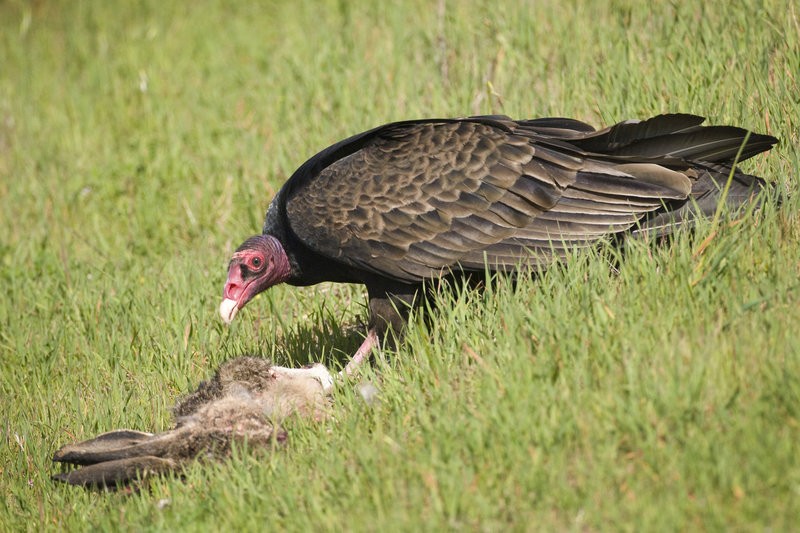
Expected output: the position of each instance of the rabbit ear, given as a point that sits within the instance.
(104, 447)
(120, 444)
(118, 472)
(116, 458)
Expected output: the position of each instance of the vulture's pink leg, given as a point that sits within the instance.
(363, 352)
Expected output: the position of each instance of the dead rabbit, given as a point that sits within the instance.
(245, 401)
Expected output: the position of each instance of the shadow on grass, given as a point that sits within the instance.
(326, 342)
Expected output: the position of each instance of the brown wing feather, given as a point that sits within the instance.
(465, 194)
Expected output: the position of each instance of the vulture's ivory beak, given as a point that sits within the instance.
(228, 310)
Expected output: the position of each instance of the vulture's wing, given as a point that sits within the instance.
(419, 198)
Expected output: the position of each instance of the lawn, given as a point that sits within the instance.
(140, 142)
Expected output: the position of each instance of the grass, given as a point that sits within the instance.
(141, 141)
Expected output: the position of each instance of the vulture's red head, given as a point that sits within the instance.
(259, 263)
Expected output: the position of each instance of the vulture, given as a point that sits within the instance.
(247, 400)
(408, 202)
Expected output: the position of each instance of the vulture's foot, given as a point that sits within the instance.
(362, 354)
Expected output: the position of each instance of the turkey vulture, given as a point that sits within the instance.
(411, 201)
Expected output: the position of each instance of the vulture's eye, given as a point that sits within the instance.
(256, 262)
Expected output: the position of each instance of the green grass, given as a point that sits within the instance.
(141, 141)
